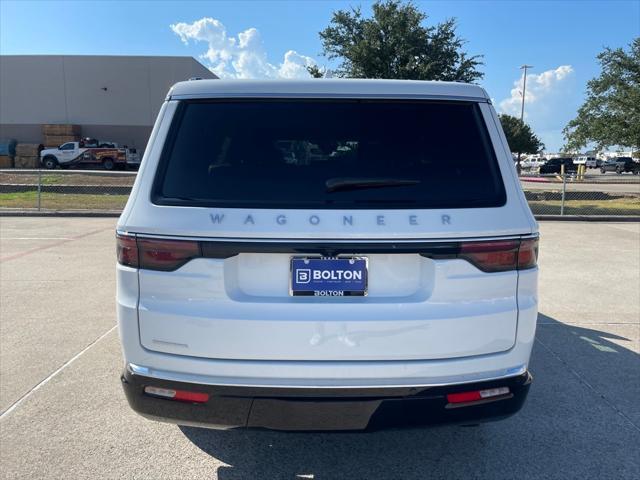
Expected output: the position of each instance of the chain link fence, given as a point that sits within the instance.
(65, 190)
(593, 194)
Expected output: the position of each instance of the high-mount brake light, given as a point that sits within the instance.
(501, 255)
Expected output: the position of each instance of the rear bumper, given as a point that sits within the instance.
(307, 409)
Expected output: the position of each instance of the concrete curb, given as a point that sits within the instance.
(42, 213)
(77, 189)
(588, 218)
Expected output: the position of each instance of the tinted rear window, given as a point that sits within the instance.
(353, 154)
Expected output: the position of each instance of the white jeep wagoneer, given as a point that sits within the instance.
(326, 255)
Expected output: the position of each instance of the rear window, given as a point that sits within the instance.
(353, 154)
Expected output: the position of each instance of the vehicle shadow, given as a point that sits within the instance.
(581, 420)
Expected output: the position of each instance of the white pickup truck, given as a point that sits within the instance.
(589, 162)
(106, 154)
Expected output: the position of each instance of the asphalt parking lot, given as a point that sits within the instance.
(64, 414)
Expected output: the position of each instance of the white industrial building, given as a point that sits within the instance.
(113, 98)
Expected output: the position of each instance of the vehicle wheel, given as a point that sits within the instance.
(618, 171)
(50, 162)
(108, 164)
(602, 170)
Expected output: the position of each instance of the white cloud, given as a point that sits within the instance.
(539, 86)
(242, 56)
(549, 103)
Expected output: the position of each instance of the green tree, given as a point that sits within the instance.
(520, 136)
(315, 71)
(395, 43)
(611, 113)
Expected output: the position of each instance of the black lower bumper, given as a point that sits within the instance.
(305, 409)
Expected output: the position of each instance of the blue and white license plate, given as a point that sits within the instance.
(329, 277)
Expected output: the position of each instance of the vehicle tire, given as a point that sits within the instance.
(602, 170)
(50, 162)
(619, 171)
(108, 164)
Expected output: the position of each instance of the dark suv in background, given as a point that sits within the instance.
(555, 165)
(620, 165)
(627, 164)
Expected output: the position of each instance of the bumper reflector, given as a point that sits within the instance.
(180, 395)
(476, 395)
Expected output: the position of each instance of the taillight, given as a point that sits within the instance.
(528, 254)
(166, 255)
(501, 255)
(150, 254)
(127, 250)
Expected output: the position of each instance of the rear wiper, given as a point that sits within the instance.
(343, 184)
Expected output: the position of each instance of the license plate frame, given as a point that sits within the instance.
(334, 286)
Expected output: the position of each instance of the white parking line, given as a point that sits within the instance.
(60, 369)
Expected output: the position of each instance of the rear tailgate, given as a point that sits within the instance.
(241, 308)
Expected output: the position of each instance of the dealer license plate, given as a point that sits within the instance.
(329, 277)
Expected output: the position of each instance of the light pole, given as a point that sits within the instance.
(524, 92)
(524, 89)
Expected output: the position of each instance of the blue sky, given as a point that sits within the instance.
(252, 38)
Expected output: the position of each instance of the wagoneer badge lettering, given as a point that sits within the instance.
(347, 220)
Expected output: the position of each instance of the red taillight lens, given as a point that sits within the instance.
(491, 256)
(501, 255)
(476, 395)
(181, 395)
(195, 397)
(166, 255)
(464, 397)
(528, 254)
(127, 250)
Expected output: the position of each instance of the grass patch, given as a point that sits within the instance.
(63, 201)
(616, 206)
(69, 177)
(51, 179)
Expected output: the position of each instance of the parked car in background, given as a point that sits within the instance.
(589, 162)
(626, 165)
(555, 165)
(620, 165)
(608, 165)
(532, 163)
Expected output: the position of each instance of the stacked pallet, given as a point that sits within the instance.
(56, 135)
(27, 155)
